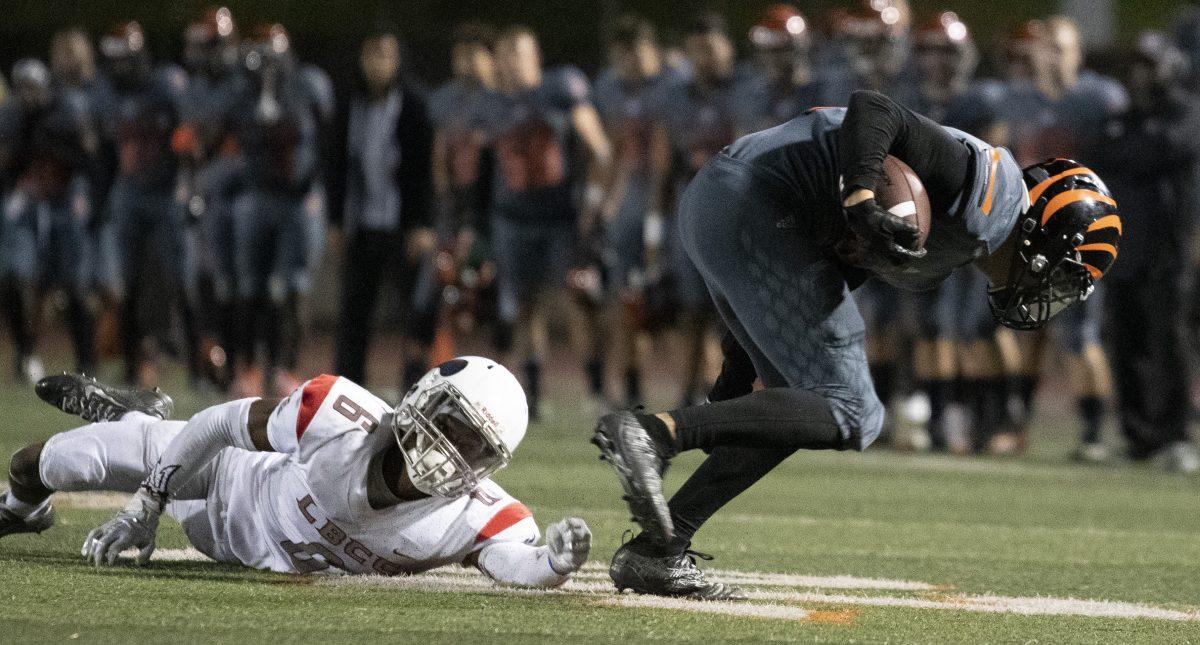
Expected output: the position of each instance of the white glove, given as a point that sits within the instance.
(133, 527)
(568, 543)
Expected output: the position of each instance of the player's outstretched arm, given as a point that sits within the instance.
(232, 424)
(518, 564)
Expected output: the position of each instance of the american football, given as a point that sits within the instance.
(385, 321)
(902, 194)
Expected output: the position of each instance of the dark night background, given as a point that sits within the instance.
(327, 33)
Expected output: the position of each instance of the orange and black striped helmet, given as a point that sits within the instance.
(1067, 240)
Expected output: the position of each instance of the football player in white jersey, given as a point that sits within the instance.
(330, 479)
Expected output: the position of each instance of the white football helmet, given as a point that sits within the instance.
(459, 424)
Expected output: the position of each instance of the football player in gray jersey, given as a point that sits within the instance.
(782, 225)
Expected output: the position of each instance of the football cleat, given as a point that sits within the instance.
(36, 522)
(669, 575)
(85, 397)
(627, 446)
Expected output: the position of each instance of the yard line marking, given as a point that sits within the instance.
(596, 571)
(753, 610)
(600, 594)
(1029, 606)
(592, 583)
(91, 500)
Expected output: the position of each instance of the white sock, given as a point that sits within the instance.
(22, 509)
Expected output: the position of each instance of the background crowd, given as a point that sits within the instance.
(181, 210)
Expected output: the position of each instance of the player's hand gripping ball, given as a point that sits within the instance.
(894, 225)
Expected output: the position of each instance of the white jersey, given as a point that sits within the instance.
(306, 510)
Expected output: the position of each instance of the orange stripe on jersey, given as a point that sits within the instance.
(1096, 273)
(311, 399)
(991, 189)
(1108, 221)
(508, 516)
(1067, 197)
(1046, 183)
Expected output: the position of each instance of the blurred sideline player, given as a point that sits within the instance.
(73, 68)
(872, 48)
(700, 117)
(47, 143)
(329, 479)
(532, 123)
(1055, 107)
(145, 224)
(780, 251)
(784, 80)
(1150, 155)
(276, 129)
(212, 167)
(460, 161)
(387, 213)
(628, 94)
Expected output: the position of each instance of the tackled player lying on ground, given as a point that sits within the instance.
(783, 225)
(330, 479)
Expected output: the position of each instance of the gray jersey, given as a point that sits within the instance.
(800, 157)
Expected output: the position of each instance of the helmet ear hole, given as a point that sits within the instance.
(452, 366)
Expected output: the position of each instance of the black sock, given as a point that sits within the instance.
(533, 385)
(1027, 386)
(633, 386)
(938, 391)
(772, 418)
(972, 394)
(726, 473)
(595, 376)
(1091, 409)
(883, 375)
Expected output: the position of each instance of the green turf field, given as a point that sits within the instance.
(881, 547)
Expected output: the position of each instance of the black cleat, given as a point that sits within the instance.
(669, 575)
(627, 446)
(85, 397)
(36, 522)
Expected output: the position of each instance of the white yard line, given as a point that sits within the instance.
(593, 583)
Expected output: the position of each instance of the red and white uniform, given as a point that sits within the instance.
(304, 508)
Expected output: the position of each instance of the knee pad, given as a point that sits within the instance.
(23, 471)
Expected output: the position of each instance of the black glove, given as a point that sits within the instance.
(884, 233)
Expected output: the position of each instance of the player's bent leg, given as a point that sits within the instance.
(108, 456)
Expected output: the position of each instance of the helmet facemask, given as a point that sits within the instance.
(1035, 292)
(448, 447)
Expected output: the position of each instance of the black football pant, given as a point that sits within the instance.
(1151, 377)
(371, 257)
